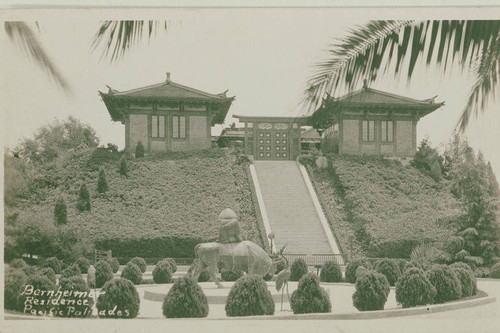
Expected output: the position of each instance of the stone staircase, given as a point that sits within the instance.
(290, 209)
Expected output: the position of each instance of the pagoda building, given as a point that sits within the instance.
(167, 116)
(372, 122)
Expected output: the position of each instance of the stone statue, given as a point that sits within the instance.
(229, 228)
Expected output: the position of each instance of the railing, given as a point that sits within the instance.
(318, 259)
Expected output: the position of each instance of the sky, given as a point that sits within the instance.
(261, 56)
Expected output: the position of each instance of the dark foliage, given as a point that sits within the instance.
(60, 212)
(53, 263)
(298, 269)
(185, 300)
(75, 283)
(352, 266)
(17, 263)
(42, 283)
(114, 263)
(120, 300)
(495, 271)
(83, 263)
(83, 202)
(49, 273)
(389, 268)
(413, 288)
(123, 167)
(468, 282)
(72, 270)
(132, 272)
(428, 160)
(140, 262)
(170, 262)
(249, 296)
(330, 272)
(102, 183)
(15, 281)
(162, 273)
(447, 284)
(103, 273)
(310, 297)
(229, 275)
(139, 150)
(371, 292)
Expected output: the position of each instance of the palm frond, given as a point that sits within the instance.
(119, 36)
(24, 37)
(360, 56)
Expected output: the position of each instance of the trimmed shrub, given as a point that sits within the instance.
(44, 284)
(162, 273)
(70, 271)
(60, 212)
(298, 269)
(360, 271)
(401, 265)
(170, 262)
(30, 270)
(352, 266)
(140, 262)
(371, 293)
(132, 272)
(75, 283)
(53, 263)
(495, 271)
(204, 275)
(185, 300)
(123, 167)
(268, 277)
(330, 272)
(228, 275)
(84, 264)
(139, 150)
(461, 264)
(18, 263)
(119, 300)
(83, 202)
(467, 280)
(103, 273)
(249, 296)
(15, 281)
(447, 284)
(114, 263)
(390, 269)
(102, 183)
(49, 273)
(413, 288)
(310, 297)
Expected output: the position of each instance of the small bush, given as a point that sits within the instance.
(330, 272)
(139, 150)
(114, 263)
(170, 262)
(70, 271)
(84, 264)
(467, 280)
(413, 288)
(103, 273)
(83, 202)
(447, 284)
(185, 300)
(60, 212)
(495, 271)
(44, 284)
(352, 266)
(119, 300)
(310, 297)
(402, 263)
(49, 273)
(17, 263)
(30, 270)
(390, 269)
(102, 183)
(140, 262)
(53, 263)
(229, 275)
(75, 283)
(132, 272)
(461, 265)
(162, 273)
(15, 281)
(249, 296)
(360, 271)
(371, 293)
(204, 275)
(123, 167)
(298, 269)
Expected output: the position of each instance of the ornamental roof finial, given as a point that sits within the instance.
(365, 84)
(168, 77)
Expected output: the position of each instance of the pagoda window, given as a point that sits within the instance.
(158, 126)
(179, 127)
(387, 129)
(368, 130)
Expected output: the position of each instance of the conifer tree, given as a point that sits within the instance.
(83, 199)
(61, 211)
(123, 166)
(102, 183)
(139, 150)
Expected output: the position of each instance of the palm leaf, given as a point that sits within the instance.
(473, 45)
(24, 37)
(119, 36)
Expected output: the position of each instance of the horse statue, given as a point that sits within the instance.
(244, 256)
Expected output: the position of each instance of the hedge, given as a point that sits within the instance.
(15, 280)
(185, 300)
(310, 297)
(132, 272)
(447, 284)
(75, 283)
(139, 262)
(330, 272)
(162, 273)
(249, 296)
(389, 268)
(371, 292)
(413, 288)
(352, 266)
(119, 300)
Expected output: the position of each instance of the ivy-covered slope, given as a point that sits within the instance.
(166, 204)
(380, 208)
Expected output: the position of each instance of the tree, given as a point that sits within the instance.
(60, 211)
(83, 199)
(428, 160)
(123, 166)
(473, 45)
(102, 183)
(14, 178)
(139, 150)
